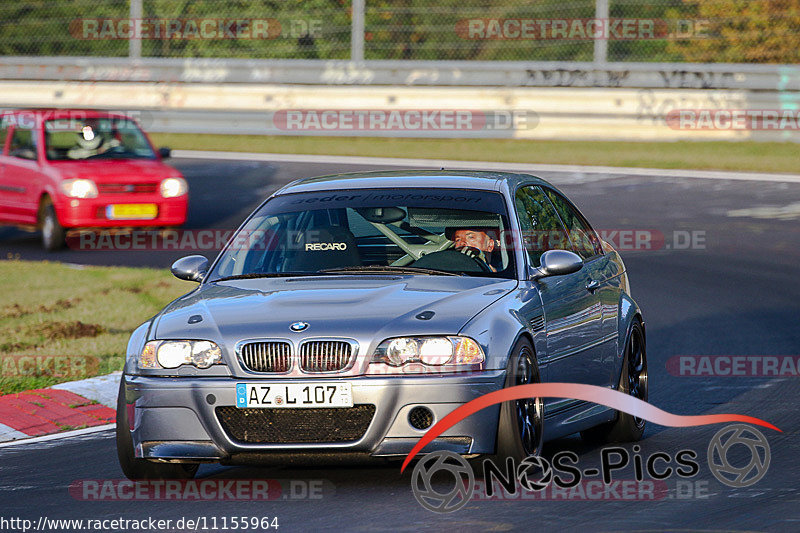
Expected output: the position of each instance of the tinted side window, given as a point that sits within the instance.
(23, 144)
(583, 238)
(541, 229)
(3, 134)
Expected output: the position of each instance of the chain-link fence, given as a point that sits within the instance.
(758, 31)
(311, 29)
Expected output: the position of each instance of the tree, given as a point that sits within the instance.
(742, 31)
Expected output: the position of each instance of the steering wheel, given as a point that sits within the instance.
(466, 259)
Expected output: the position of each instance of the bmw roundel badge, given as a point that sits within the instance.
(299, 326)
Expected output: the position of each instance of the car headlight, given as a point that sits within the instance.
(172, 187)
(432, 351)
(172, 354)
(79, 188)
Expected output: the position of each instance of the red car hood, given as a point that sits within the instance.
(111, 171)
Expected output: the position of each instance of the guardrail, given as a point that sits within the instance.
(433, 73)
(403, 111)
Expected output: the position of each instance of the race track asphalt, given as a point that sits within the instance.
(736, 293)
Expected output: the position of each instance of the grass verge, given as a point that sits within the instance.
(61, 322)
(699, 155)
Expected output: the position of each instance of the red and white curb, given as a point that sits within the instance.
(78, 405)
(102, 389)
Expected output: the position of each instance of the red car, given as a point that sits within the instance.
(74, 169)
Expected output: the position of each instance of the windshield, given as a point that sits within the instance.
(380, 231)
(95, 138)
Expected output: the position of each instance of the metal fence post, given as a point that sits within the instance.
(357, 31)
(135, 41)
(600, 41)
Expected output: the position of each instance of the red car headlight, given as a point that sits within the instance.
(79, 188)
(173, 187)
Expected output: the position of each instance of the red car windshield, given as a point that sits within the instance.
(95, 138)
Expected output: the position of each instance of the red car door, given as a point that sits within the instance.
(4, 191)
(21, 177)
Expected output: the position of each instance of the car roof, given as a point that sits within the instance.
(449, 179)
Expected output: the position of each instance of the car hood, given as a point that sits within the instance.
(366, 308)
(112, 170)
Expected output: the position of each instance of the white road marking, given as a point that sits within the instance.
(486, 165)
(785, 212)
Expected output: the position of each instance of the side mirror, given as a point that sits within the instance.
(557, 263)
(190, 268)
(165, 152)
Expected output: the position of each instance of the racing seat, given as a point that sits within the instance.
(324, 247)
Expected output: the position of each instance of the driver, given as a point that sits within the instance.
(476, 243)
(90, 140)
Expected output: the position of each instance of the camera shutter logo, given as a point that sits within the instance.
(534, 473)
(462, 479)
(720, 446)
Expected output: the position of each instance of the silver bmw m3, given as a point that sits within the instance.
(350, 313)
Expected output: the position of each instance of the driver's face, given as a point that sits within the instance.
(474, 239)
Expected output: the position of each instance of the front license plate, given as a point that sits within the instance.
(131, 211)
(294, 395)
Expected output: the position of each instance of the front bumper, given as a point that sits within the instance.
(90, 212)
(175, 418)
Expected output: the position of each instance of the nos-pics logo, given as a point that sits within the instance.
(454, 477)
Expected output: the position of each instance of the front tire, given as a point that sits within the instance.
(520, 430)
(633, 381)
(135, 468)
(53, 233)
